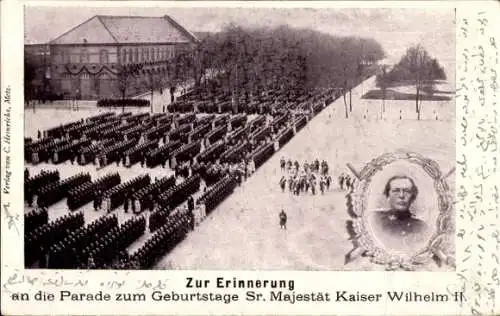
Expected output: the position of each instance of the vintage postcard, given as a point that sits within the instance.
(250, 158)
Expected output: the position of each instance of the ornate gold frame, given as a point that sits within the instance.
(440, 246)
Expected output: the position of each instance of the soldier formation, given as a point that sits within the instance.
(38, 240)
(214, 153)
(294, 167)
(313, 177)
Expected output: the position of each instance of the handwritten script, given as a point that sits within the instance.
(478, 234)
(54, 280)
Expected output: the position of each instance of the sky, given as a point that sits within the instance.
(395, 29)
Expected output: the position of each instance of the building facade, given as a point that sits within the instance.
(116, 56)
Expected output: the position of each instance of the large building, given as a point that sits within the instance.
(112, 56)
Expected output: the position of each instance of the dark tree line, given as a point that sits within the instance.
(251, 60)
(286, 56)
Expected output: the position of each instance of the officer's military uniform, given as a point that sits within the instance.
(400, 229)
(283, 219)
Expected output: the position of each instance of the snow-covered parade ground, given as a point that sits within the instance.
(243, 232)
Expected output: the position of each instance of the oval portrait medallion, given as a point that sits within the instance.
(401, 212)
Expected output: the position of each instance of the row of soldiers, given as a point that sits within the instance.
(34, 184)
(113, 245)
(73, 250)
(218, 192)
(211, 172)
(160, 216)
(315, 166)
(56, 191)
(38, 241)
(35, 219)
(164, 240)
(87, 192)
(304, 182)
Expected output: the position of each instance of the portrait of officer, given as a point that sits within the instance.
(398, 227)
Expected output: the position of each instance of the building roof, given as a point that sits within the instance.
(103, 29)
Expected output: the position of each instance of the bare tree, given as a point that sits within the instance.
(382, 83)
(414, 63)
(419, 68)
(152, 80)
(344, 92)
(347, 86)
(124, 78)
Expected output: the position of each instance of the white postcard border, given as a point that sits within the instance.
(475, 276)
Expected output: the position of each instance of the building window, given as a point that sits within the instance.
(130, 56)
(136, 55)
(104, 57)
(84, 56)
(124, 56)
(63, 57)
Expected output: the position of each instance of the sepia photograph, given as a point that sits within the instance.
(397, 223)
(403, 206)
(238, 138)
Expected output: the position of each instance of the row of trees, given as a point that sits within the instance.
(416, 67)
(297, 60)
(248, 61)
